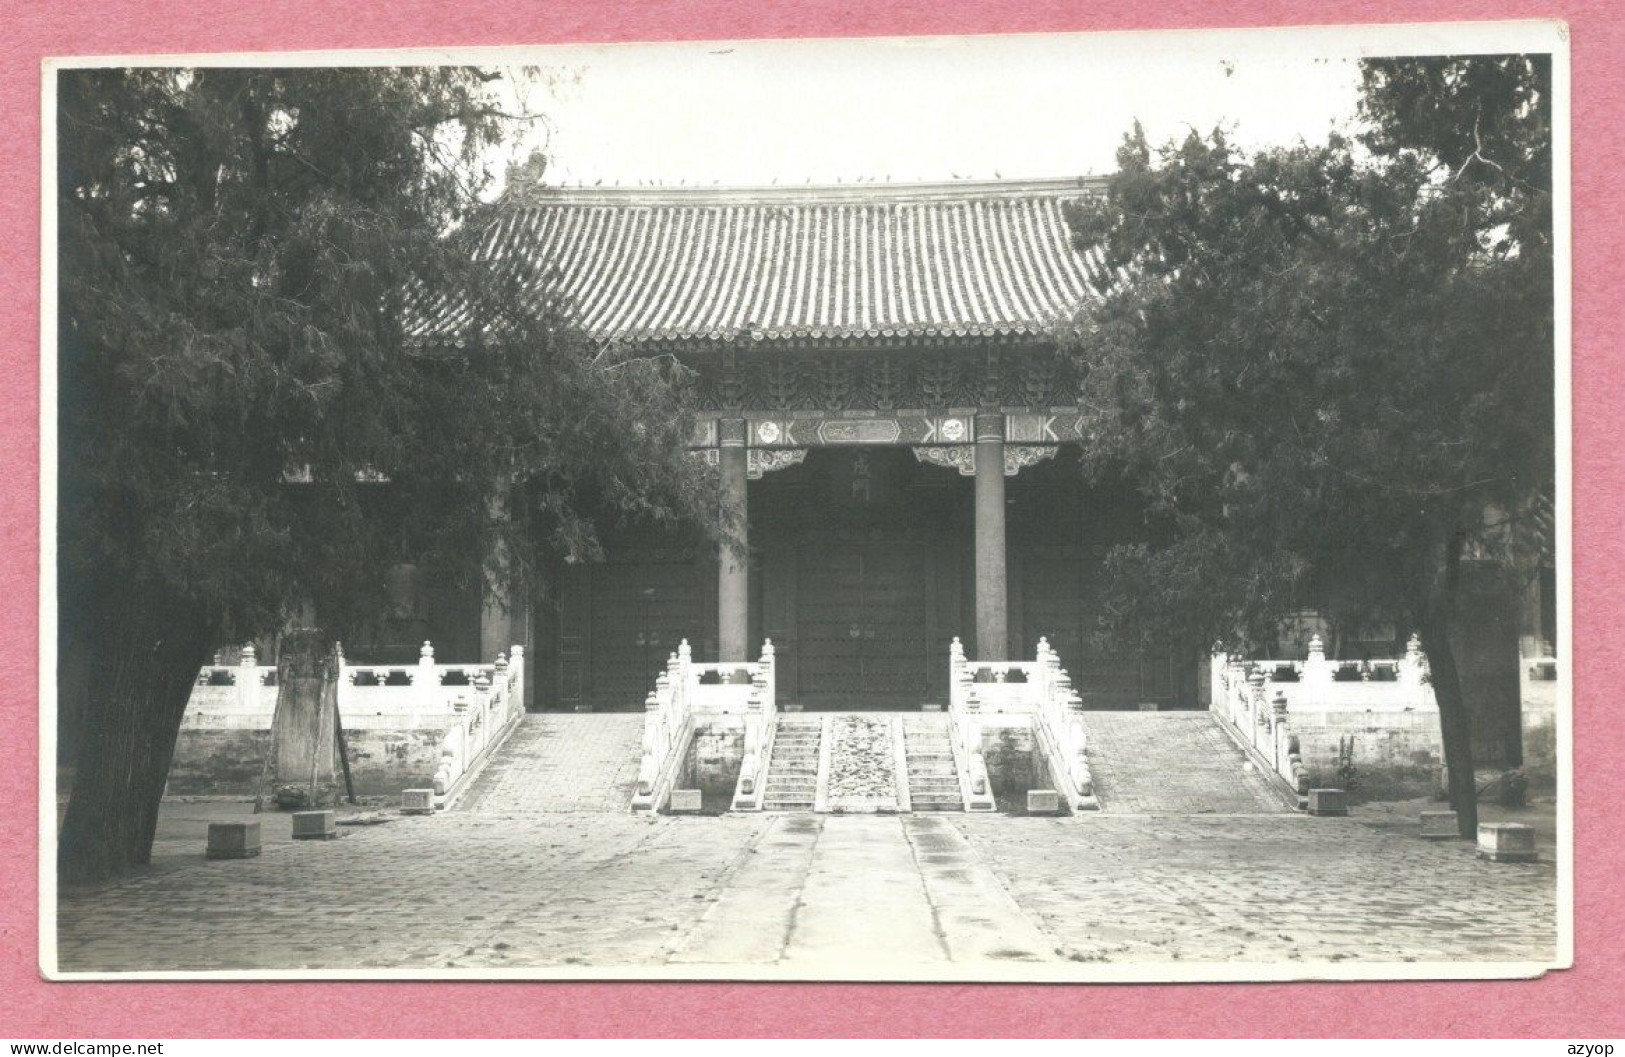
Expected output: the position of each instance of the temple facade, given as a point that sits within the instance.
(882, 399)
(881, 395)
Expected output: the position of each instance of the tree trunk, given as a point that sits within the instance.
(1455, 725)
(147, 649)
(1455, 722)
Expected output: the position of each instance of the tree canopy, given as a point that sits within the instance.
(1329, 367)
(242, 256)
(239, 254)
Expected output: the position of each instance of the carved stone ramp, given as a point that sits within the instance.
(1173, 763)
(561, 762)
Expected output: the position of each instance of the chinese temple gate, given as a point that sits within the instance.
(882, 399)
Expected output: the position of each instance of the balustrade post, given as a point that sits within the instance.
(1410, 670)
(1317, 670)
(1218, 677)
(769, 669)
(248, 680)
(516, 676)
(426, 681)
(501, 685)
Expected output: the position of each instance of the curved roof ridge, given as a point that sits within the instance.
(873, 190)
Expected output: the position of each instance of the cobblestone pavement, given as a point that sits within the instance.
(1266, 888)
(1177, 763)
(554, 762)
(805, 893)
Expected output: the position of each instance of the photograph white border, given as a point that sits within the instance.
(1356, 41)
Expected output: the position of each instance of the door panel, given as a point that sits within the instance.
(863, 619)
(828, 596)
(640, 612)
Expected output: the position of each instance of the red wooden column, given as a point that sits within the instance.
(992, 587)
(733, 567)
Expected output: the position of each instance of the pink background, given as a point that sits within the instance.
(1574, 1004)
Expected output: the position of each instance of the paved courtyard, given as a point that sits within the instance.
(864, 896)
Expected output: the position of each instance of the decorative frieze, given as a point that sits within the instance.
(882, 380)
(859, 431)
(962, 457)
(1019, 456)
(761, 461)
(757, 461)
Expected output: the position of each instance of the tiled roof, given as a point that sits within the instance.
(864, 263)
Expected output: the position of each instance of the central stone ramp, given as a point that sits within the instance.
(863, 764)
(933, 780)
(556, 763)
(792, 773)
(1173, 763)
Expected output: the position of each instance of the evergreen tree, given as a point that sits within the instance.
(1331, 369)
(283, 368)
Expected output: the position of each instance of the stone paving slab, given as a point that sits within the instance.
(825, 895)
(1261, 888)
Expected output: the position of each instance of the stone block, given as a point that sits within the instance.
(1440, 825)
(1506, 842)
(790, 706)
(685, 802)
(233, 840)
(417, 802)
(1328, 803)
(1043, 802)
(931, 707)
(315, 825)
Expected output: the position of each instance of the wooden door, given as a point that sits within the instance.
(639, 612)
(864, 620)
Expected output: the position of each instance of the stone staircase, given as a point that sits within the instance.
(933, 781)
(792, 773)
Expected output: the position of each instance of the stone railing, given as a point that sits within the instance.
(1251, 698)
(999, 686)
(1037, 694)
(426, 688)
(1398, 684)
(413, 725)
(685, 691)
(761, 715)
(965, 726)
(483, 718)
(1058, 725)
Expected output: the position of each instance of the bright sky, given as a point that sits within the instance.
(927, 108)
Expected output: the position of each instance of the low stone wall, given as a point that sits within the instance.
(1015, 763)
(227, 760)
(714, 756)
(1395, 754)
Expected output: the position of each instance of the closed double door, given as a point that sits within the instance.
(864, 624)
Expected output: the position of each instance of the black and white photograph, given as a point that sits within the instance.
(1016, 508)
